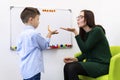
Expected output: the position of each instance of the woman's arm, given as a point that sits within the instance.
(94, 37)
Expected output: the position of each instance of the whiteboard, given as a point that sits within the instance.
(55, 18)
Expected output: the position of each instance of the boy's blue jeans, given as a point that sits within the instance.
(36, 77)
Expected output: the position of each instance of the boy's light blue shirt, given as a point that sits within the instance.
(29, 47)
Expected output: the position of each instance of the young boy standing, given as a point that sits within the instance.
(31, 44)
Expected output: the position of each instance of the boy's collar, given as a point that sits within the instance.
(29, 27)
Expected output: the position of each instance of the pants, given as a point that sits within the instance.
(72, 70)
(36, 77)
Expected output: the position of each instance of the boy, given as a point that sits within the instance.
(31, 44)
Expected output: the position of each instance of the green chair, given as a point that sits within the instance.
(114, 70)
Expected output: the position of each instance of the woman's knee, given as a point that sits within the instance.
(69, 67)
(66, 66)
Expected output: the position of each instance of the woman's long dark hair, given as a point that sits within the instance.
(90, 21)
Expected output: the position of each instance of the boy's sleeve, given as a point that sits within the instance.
(41, 42)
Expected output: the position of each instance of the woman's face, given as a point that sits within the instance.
(81, 20)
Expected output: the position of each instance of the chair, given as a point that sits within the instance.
(114, 70)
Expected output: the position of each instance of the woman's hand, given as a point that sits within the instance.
(70, 29)
(70, 59)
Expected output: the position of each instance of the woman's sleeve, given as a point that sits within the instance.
(81, 57)
(93, 38)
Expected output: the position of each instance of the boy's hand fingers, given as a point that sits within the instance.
(55, 32)
(49, 28)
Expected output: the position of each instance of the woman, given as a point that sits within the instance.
(94, 46)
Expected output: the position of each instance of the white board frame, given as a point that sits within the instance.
(55, 18)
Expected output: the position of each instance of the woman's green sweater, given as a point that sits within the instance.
(95, 49)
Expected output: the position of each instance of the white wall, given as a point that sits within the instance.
(106, 13)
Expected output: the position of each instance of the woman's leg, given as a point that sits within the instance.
(72, 70)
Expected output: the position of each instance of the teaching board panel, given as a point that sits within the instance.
(55, 18)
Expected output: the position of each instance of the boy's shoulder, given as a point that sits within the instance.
(29, 32)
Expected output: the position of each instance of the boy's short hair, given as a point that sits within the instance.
(29, 12)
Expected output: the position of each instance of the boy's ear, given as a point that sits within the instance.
(30, 19)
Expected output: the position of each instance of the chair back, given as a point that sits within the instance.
(115, 50)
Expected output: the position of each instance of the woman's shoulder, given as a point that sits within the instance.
(99, 28)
